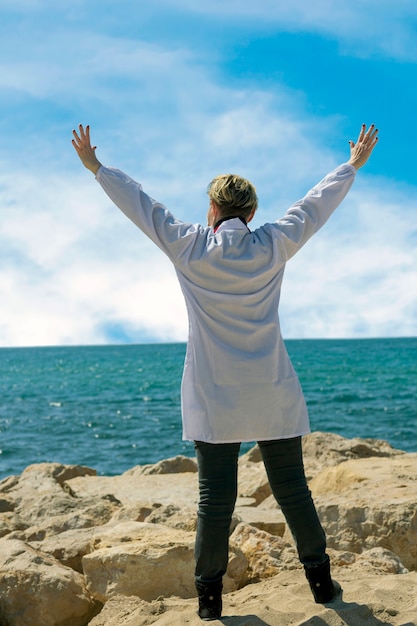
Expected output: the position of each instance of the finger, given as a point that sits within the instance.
(87, 128)
(372, 138)
(82, 132)
(76, 137)
(370, 131)
(362, 133)
(371, 141)
(76, 146)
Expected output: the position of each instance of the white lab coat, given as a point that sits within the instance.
(238, 382)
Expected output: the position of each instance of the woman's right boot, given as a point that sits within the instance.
(209, 600)
(324, 589)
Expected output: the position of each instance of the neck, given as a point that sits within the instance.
(229, 217)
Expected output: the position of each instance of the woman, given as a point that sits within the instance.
(238, 382)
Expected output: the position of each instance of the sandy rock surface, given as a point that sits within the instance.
(79, 549)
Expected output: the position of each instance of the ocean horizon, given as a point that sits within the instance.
(111, 407)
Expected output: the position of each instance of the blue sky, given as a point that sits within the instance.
(177, 92)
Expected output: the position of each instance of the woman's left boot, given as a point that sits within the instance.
(209, 600)
(324, 589)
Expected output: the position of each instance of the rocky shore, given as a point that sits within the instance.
(78, 549)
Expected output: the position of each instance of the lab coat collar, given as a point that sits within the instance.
(230, 223)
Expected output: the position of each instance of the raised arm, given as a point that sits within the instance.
(310, 213)
(172, 236)
(85, 150)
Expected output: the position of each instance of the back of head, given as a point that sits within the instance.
(233, 195)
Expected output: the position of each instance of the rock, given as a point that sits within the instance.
(141, 492)
(270, 520)
(376, 560)
(151, 561)
(103, 538)
(331, 449)
(82, 514)
(370, 503)
(134, 512)
(267, 555)
(43, 503)
(69, 547)
(323, 450)
(320, 450)
(133, 488)
(35, 589)
(129, 611)
(284, 600)
(174, 517)
(6, 505)
(252, 480)
(9, 522)
(177, 465)
(8, 483)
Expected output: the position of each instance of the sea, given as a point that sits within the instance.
(117, 406)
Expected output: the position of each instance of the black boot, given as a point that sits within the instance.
(323, 587)
(209, 600)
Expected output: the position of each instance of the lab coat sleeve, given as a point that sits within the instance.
(153, 218)
(308, 215)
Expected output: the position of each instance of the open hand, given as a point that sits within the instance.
(362, 149)
(85, 150)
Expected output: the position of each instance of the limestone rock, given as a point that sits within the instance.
(43, 504)
(35, 589)
(134, 533)
(133, 488)
(129, 611)
(323, 450)
(252, 480)
(9, 522)
(152, 561)
(69, 547)
(267, 554)
(6, 504)
(375, 560)
(174, 517)
(284, 600)
(177, 465)
(320, 450)
(368, 503)
(270, 520)
(8, 483)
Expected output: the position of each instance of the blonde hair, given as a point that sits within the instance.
(233, 195)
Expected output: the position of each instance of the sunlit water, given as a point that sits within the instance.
(113, 407)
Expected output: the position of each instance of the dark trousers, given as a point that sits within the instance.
(217, 467)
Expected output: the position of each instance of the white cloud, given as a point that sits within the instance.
(83, 300)
(92, 277)
(357, 277)
(71, 267)
(364, 27)
(89, 68)
(73, 270)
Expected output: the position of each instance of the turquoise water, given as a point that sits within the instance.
(113, 407)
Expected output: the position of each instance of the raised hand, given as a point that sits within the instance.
(84, 149)
(362, 149)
